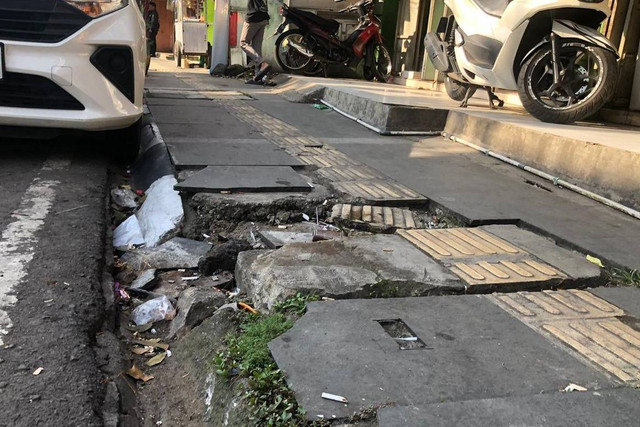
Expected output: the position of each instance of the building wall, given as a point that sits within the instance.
(635, 92)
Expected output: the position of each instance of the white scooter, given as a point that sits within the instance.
(548, 50)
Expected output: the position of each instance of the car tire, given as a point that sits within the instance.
(124, 144)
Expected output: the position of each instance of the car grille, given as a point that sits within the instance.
(29, 91)
(42, 21)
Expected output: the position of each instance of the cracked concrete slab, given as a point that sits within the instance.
(358, 267)
(473, 350)
(593, 408)
(214, 179)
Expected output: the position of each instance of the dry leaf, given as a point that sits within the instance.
(157, 359)
(137, 374)
(595, 260)
(142, 350)
(153, 343)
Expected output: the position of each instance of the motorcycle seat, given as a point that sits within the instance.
(493, 7)
(329, 25)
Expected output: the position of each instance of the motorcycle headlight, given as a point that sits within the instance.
(98, 8)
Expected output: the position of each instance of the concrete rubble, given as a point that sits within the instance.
(195, 305)
(222, 256)
(362, 266)
(175, 253)
(124, 198)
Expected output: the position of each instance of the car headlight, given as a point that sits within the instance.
(98, 8)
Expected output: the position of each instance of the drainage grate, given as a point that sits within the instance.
(402, 334)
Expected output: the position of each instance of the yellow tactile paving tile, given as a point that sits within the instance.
(378, 190)
(352, 173)
(348, 175)
(481, 258)
(557, 305)
(504, 272)
(461, 243)
(588, 325)
(394, 217)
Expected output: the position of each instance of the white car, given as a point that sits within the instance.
(72, 64)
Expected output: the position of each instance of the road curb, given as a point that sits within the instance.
(153, 161)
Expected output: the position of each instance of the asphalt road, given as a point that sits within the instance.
(52, 228)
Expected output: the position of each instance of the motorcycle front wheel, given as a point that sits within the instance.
(588, 76)
(288, 55)
(456, 90)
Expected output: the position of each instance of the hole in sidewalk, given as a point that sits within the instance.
(537, 185)
(402, 334)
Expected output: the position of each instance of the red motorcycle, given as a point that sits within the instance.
(313, 43)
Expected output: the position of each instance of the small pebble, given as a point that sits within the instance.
(3, 384)
(22, 367)
(34, 398)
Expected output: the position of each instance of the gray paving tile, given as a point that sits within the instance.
(228, 152)
(244, 178)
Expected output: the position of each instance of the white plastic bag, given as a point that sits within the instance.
(153, 311)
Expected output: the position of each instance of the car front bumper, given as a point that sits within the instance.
(68, 64)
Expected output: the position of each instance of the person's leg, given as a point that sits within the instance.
(153, 44)
(249, 30)
(257, 41)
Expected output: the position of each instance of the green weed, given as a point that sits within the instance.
(624, 277)
(247, 355)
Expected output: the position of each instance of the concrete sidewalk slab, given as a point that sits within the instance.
(473, 350)
(627, 299)
(615, 407)
(481, 190)
(244, 178)
(228, 152)
(604, 159)
(211, 128)
(190, 114)
(358, 267)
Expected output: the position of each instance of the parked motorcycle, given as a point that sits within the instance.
(313, 43)
(549, 51)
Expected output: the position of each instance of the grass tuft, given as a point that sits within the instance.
(247, 355)
(623, 277)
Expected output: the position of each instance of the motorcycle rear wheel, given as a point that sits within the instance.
(380, 61)
(288, 57)
(588, 81)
